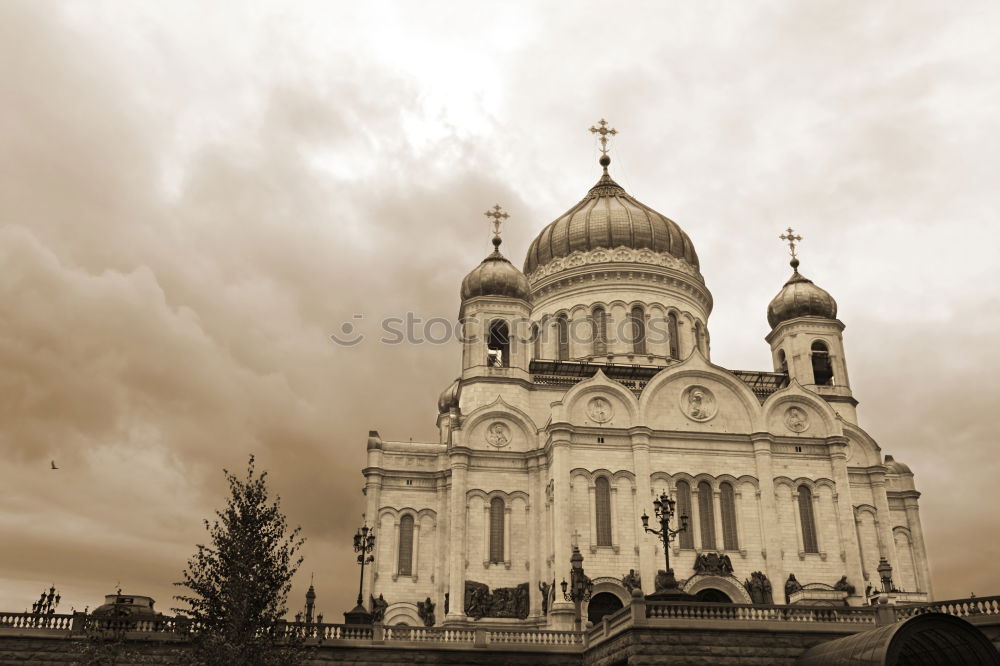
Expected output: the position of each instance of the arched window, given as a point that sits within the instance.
(782, 362)
(405, 567)
(562, 335)
(638, 318)
(699, 337)
(600, 320)
(602, 492)
(706, 516)
(674, 341)
(536, 341)
(822, 368)
(498, 345)
(727, 501)
(684, 509)
(809, 543)
(496, 530)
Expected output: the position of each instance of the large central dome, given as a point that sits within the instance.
(608, 217)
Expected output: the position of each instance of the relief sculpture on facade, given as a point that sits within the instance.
(509, 602)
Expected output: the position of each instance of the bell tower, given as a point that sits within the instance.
(806, 337)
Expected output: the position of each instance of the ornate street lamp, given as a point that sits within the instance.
(885, 575)
(666, 584)
(364, 544)
(580, 587)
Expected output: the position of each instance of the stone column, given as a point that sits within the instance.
(533, 511)
(415, 572)
(885, 534)
(592, 503)
(696, 517)
(648, 564)
(838, 457)
(771, 536)
(720, 543)
(508, 549)
(613, 507)
(373, 498)
(741, 543)
(442, 556)
(457, 544)
(562, 611)
(922, 566)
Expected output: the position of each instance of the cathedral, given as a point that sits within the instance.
(587, 391)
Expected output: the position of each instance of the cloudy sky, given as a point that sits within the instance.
(193, 196)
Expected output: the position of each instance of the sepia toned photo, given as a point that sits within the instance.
(499, 333)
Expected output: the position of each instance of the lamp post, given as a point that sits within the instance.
(579, 588)
(666, 584)
(364, 544)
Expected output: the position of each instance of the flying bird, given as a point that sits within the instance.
(54, 465)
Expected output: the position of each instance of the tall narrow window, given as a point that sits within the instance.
(638, 330)
(602, 492)
(496, 530)
(782, 361)
(562, 334)
(536, 341)
(706, 516)
(498, 346)
(405, 567)
(684, 509)
(672, 334)
(822, 368)
(727, 500)
(600, 319)
(809, 543)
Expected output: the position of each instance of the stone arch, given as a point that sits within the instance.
(600, 383)
(696, 367)
(794, 393)
(729, 585)
(402, 612)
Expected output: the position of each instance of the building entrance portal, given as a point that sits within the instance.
(603, 604)
(714, 596)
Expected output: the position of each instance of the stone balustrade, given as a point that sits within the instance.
(640, 614)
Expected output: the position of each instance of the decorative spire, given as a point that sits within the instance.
(791, 238)
(498, 215)
(604, 132)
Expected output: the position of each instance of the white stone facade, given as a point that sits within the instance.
(554, 441)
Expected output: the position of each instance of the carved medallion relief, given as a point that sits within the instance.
(796, 419)
(698, 403)
(498, 434)
(600, 410)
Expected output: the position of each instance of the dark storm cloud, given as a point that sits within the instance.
(193, 201)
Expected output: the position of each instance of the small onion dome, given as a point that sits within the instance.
(896, 467)
(800, 298)
(495, 277)
(449, 398)
(608, 217)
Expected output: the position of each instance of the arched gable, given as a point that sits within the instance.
(577, 407)
(814, 418)
(695, 395)
(862, 450)
(520, 428)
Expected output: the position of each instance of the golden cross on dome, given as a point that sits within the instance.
(604, 132)
(498, 215)
(791, 238)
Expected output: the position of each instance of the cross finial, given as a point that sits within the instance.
(791, 238)
(497, 215)
(604, 132)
